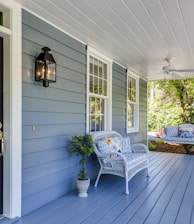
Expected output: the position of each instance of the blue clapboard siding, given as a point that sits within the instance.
(141, 136)
(119, 110)
(119, 78)
(57, 112)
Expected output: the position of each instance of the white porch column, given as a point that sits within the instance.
(12, 108)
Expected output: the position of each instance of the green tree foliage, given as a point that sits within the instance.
(170, 103)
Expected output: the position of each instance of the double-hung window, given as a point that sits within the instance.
(132, 103)
(98, 92)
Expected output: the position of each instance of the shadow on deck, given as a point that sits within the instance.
(166, 197)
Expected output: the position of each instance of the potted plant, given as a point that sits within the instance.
(83, 146)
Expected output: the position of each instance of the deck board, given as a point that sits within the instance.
(145, 193)
(107, 213)
(165, 197)
(87, 204)
(172, 209)
(186, 209)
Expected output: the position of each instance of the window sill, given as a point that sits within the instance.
(132, 130)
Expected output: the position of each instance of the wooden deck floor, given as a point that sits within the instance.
(166, 197)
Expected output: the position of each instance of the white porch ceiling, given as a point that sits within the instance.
(137, 34)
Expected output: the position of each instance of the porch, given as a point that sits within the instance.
(165, 197)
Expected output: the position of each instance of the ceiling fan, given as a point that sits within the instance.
(170, 69)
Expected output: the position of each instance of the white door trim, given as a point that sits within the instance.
(12, 108)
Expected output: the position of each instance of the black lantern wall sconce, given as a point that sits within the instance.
(45, 67)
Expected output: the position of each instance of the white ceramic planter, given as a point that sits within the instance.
(82, 186)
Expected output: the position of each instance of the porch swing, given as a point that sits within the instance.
(179, 134)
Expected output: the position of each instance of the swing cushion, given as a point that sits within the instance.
(172, 131)
(183, 140)
(183, 134)
(186, 132)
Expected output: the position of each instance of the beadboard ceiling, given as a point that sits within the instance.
(138, 34)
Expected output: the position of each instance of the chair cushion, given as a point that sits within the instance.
(117, 144)
(125, 144)
(108, 145)
(132, 158)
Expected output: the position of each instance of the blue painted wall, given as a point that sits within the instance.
(119, 106)
(58, 112)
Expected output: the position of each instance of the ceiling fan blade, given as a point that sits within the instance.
(158, 73)
(182, 70)
(175, 75)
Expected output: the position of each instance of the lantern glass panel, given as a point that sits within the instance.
(50, 74)
(40, 70)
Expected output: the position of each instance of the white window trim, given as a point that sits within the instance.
(136, 128)
(108, 109)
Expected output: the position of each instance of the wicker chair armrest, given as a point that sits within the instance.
(140, 148)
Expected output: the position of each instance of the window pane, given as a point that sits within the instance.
(91, 65)
(92, 105)
(100, 87)
(131, 113)
(96, 116)
(132, 89)
(104, 71)
(105, 88)
(96, 89)
(95, 67)
(102, 123)
(92, 123)
(91, 83)
(100, 69)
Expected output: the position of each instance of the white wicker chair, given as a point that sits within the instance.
(121, 164)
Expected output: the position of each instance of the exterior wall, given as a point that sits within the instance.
(142, 135)
(57, 112)
(119, 79)
(49, 170)
(119, 110)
